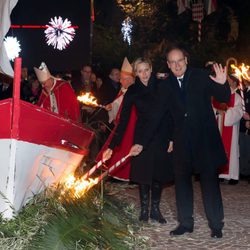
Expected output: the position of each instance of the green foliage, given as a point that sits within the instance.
(51, 222)
(16, 233)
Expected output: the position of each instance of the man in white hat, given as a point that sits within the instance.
(127, 79)
(57, 95)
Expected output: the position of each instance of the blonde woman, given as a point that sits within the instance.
(152, 168)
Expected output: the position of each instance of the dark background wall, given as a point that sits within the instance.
(33, 42)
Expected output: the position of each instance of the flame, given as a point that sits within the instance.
(241, 71)
(77, 187)
(88, 99)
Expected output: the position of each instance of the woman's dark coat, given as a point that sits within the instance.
(154, 163)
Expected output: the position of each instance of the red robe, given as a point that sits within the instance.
(123, 171)
(67, 103)
(229, 124)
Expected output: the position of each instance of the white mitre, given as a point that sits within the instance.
(42, 73)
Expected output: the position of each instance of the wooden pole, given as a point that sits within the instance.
(16, 98)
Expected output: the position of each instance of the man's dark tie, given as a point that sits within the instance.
(183, 90)
(181, 84)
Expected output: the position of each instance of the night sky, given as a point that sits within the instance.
(33, 43)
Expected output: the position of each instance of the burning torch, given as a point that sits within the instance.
(241, 72)
(89, 100)
(78, 187)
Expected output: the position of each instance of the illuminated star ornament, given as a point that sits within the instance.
(12, 46)
(59, 33)
(127, 30)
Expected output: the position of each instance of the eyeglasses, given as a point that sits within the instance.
(180, 61)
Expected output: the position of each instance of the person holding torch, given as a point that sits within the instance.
(152, 168)
(197, 147)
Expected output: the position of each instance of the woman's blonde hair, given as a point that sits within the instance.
(139, 61)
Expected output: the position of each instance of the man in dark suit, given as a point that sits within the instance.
(197, 146)
(82, 83)
(110, 87)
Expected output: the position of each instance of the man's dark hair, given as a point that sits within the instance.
(112, 69)
(86, 65)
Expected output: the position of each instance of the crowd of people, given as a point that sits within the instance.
(193, 121)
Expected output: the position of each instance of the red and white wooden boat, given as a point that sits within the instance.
(37, 149)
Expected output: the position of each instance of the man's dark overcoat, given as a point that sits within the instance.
(196, 133)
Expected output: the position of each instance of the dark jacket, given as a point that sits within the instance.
(80, 86)
(155, 162)
(246, 94)
(4, 94)
(108, 91)
(196, 136)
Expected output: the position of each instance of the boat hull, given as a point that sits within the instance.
(38, 148)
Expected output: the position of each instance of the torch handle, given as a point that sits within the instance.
(101, 106)
(242, 96)
(93, 169)
(104, 174)
(116, 165)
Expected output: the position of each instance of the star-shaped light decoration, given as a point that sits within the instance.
(126, 30)
(59, 33)
(12, 46)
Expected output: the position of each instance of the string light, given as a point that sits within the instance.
(126, 30)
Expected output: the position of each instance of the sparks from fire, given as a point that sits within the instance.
(241, 71)
(88, 99)
(77, 187)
